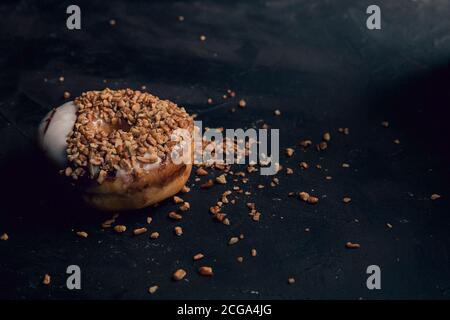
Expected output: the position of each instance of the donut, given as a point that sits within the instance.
(118, 147)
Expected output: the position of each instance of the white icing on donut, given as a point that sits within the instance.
(54, 130)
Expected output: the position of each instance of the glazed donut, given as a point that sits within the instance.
(118, 146)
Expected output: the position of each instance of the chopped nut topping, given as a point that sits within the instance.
(345, 165)
(66, 94)
(4, 237)
(346, 199)
(82, 234)
(289, 171)
(139, 231)
(242, 103)
(201, 172)
(149, 220)
(208, 184)
(153, 289)
(253, 253)
(120, 228)
(179, 275)
(233, 240)
(205, 271)
(291, 280)
(326, 136)
(185, 189)
(305, 143)
(154, 235)
(46, 280)
(351, 245)
(240, 259)
(198, 256)
(289, 152)
(304, 196)
(121, 130)
(435, 196)
(221, 179)
(175, 216)
(202, 38)
(385, 124)
(396, 141)
(185, 206)
(304, 165)
(277, 112)
(178, 230)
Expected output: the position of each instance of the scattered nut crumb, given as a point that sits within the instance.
(4, 237)
(198, 256)
(351, 245)
(149, 220)
(46, 280)
(253, 253)
(303, 165)
(180, 18)
(240, 259)
(221, 179)
(396, 141)
(66, 95)
(185, 189)
(154, 235)
(345, 165)
(346, 199)
(291, 280)
(175, 216)
(208, 184)
(178, 230)
(179, 275)
(139, 231)
(389, 225)
(185, 206)
(201, 172)
(82, 234)
(385, 124)
(289, 152)
(435, 196)
(202, 38)
(305, 143)
(210, 101)
(120, 228)
(242, 103)
(152, 289)
(277, 112)
(233, 240)
(177, 200)
(206, 271)
(112, 22)
(326, 136)
(61, 79)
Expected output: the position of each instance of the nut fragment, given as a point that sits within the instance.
(198, 256)
(346, 199)
(291, 280)
(240, 259)
(208, 184)
(66, 94)
(305, 143)
(178, 230)
(221, 179)
(4, 237)
(154, 235)
(277, 112)
(206, 271)
(46, 280)
(177, 200)
(435, 196)
(201, 172)
(326, 136)
(139, 231)
(185, 189)
(153, 289)
(253, 253)
(120, 228)
(233, 240)
(313, 200)
(242, 103)
(385, 124)
(351, 245)
(175, 216)
(303, 165)
(82, 234)
(202, 38)
(289, 152)
(179, 275)
(185, 206)
(304, 196)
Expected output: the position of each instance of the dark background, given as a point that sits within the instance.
(315, 61)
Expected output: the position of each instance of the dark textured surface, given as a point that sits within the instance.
(313, 60)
